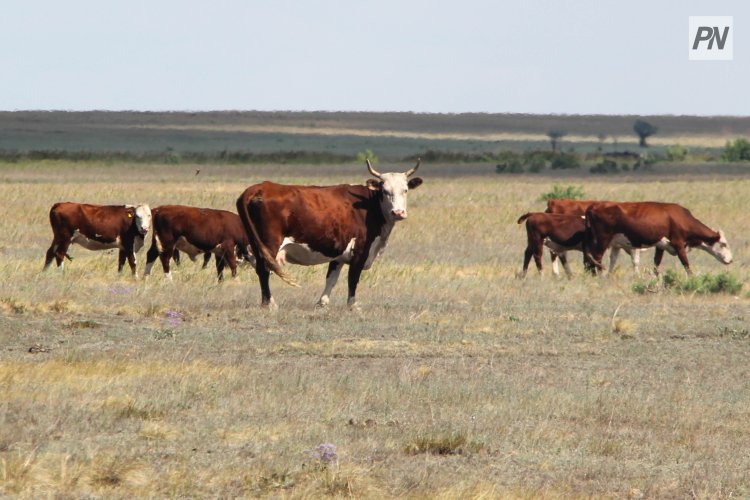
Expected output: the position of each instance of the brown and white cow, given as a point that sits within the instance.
(197, 231)
(98, 227)
(559, 232)
(666, 226)
(579, 207)
(308, 225)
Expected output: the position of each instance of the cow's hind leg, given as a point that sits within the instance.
(332, 276)
(207, 258)
(266, 300)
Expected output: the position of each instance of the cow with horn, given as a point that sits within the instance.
(308, 225)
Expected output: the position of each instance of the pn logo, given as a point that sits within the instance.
(710, 38)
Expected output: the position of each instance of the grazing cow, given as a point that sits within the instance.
(559, 232)
(307, 225)
(666, 226)
(579, 207)
(98, 227)
(197, 231)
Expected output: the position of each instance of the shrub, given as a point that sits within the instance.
(739, 150)
(677, 152)
(565, 161)
(723, 282)
(567, 193)
(367, 154)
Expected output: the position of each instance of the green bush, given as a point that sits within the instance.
(723, 282)
(677, 152)
(739, 150)
(566, 193)
(367, 154)
(565, 161)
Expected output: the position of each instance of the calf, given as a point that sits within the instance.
(666, 226)
(559, 232)
(197, 231)
(98, 227)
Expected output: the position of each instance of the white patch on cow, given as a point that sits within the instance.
(142, 217)
(395, 187)
(91, 244)
(720, 250)
(378, 245)
(300, 253)
(169, 275)
(666, 245)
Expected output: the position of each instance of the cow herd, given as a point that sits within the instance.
(595, 226)
(277, 224)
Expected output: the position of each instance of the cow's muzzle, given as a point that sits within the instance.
(399, 214)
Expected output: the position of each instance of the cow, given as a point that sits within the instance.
(98, 227)
(559, 232)
(667, 226)
(197, 231)
(308, 225)
(578, 207)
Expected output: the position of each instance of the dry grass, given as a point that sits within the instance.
(455, 380)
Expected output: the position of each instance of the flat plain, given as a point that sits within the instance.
(456, 379)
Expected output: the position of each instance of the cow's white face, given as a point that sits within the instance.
(143, 218)
(394, 188)
(721, 249)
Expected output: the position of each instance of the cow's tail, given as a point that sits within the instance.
(523, 217)
(261, 251)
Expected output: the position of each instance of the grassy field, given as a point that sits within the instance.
(454, 380)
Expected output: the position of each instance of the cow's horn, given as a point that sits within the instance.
(411, 172)
(374, 172)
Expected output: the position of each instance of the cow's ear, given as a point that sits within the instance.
(131, 212)
(415, 182)
(374, 184)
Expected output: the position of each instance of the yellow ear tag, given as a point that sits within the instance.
(130, 216)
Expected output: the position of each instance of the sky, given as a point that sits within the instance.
(563, 57)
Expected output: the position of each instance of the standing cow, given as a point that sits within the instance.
(98, 227)
(197, 231)
(666, 226)
(307, 225)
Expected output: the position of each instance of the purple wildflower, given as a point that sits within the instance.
(325, 452)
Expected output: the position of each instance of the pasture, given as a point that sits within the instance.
(455, 379)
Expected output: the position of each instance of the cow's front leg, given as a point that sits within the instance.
(658, 256)
(332, 276)
(121, 257)
(355, 270)
(682, 255)
(131, 262)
